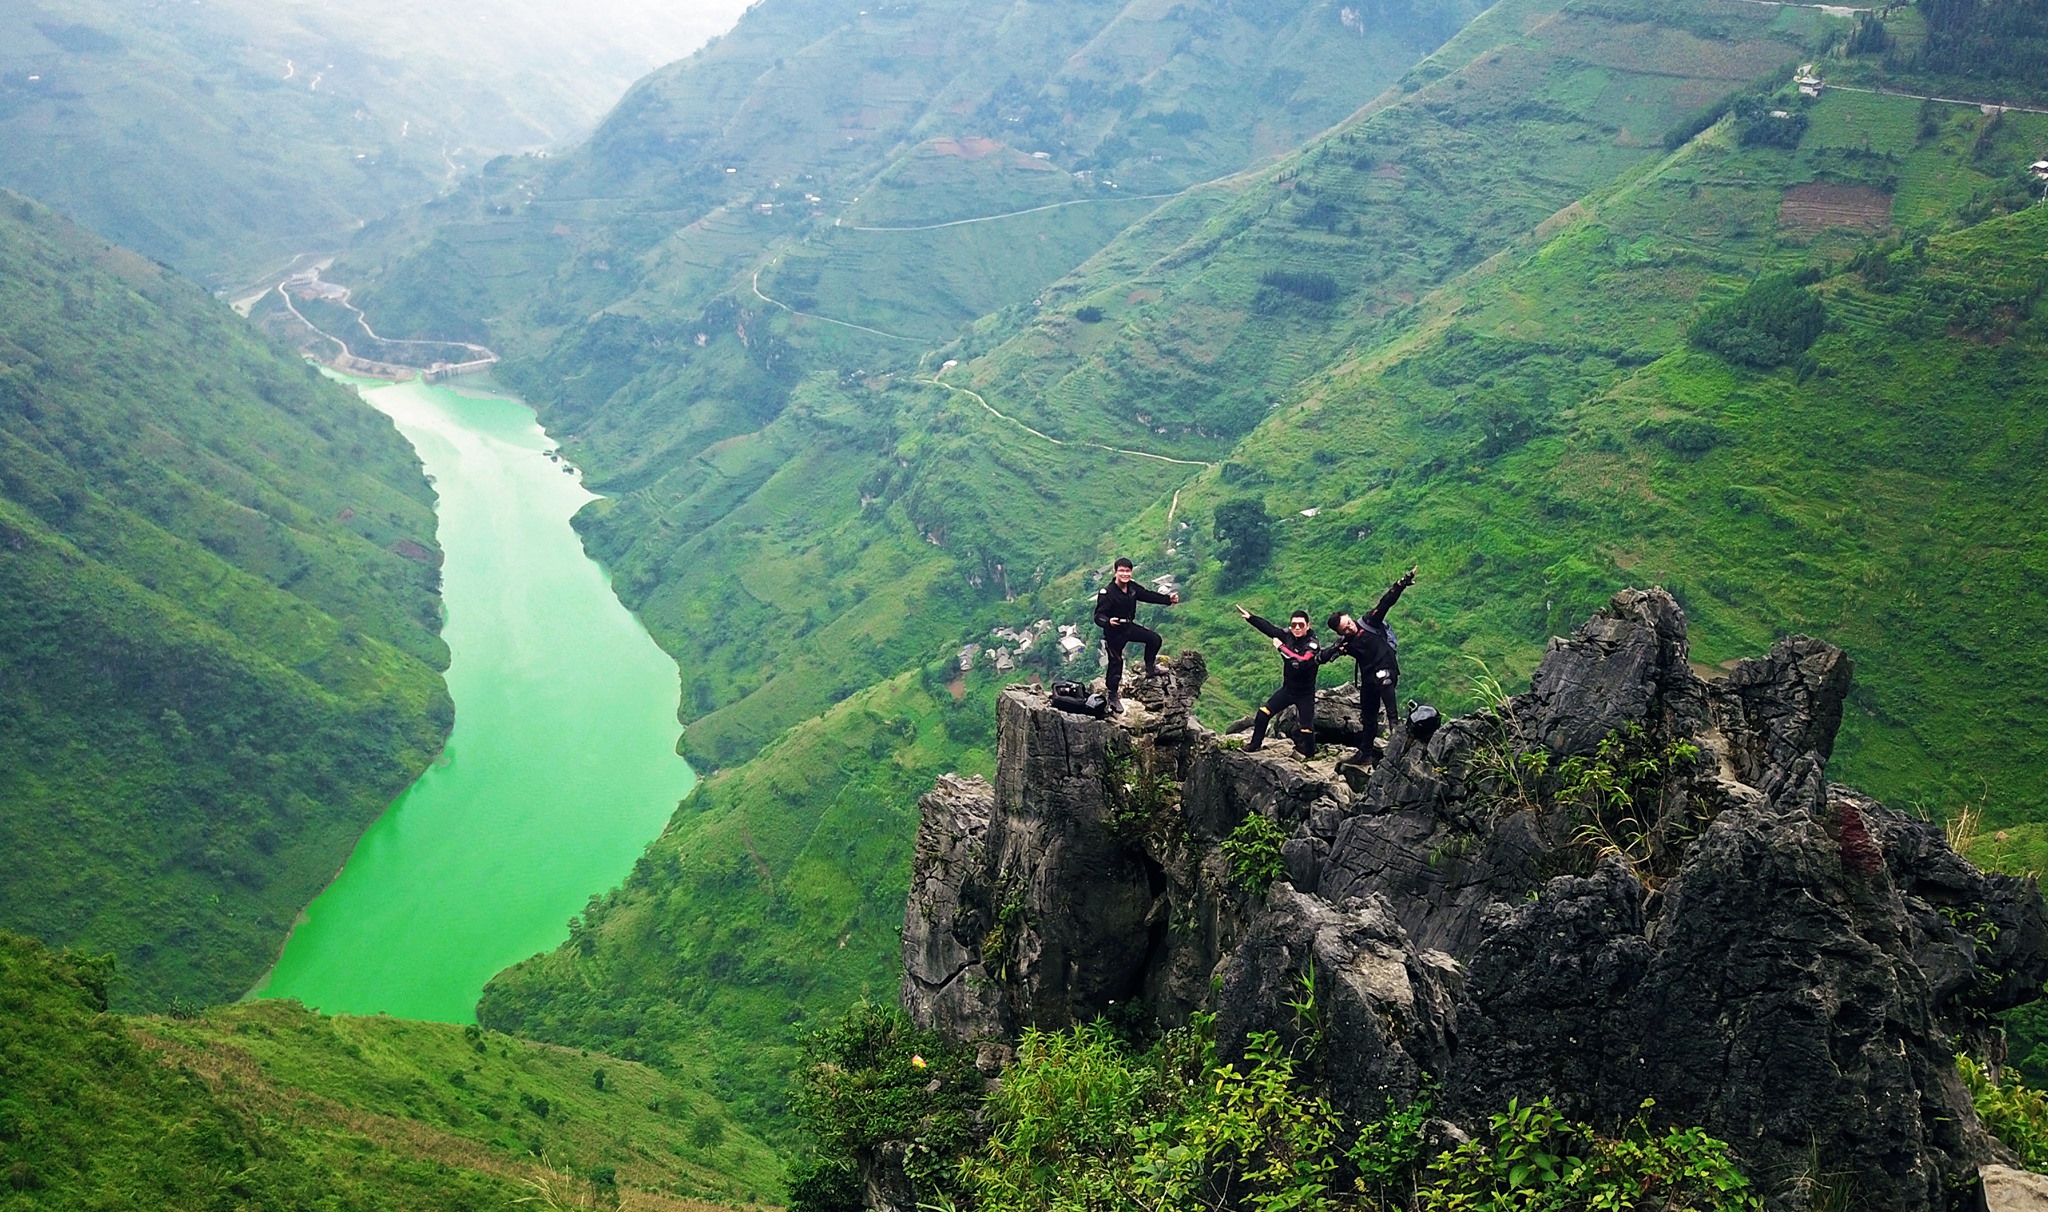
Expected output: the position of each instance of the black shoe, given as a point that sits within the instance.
(1154, 671)
(1363, 757)
(1116, 705)
(1254, 746)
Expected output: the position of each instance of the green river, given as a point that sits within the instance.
(562, 764)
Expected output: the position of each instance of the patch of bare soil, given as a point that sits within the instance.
(1818, 205)
(973, 147)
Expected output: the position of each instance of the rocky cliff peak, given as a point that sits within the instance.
(1628, 883)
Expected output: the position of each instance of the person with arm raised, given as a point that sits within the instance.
(1300, 658)
(1368, 640)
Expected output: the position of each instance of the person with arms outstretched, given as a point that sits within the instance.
(1116, 612)
(1300, 657)
(1370, 642)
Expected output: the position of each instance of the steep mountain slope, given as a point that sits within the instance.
(1437, 403)
(881, 115)
(1990, 51)
(227, 137)
(218, 601)
(268, 1105)
(800, 521)
(1002, 498)
(1546, 430)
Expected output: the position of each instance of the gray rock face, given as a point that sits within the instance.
(1385, 1006)
(1627, 883)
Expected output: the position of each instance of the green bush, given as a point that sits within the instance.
(2011, 1111)
(874, 1077)
(1769, 324)
(1245, 531)
(1532, 1159)
(1253, 849)
(1079, 1123)
(1313, 285)
(1757, 124)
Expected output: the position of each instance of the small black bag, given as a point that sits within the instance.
(1423, 721)
(1095, 705)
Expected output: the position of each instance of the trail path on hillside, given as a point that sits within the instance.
(1890, 92)
(1237, 174)
(811, 315)
(1030, 211)
(1833, 10)
(300, 317)
(481, 355)
(1122, 450)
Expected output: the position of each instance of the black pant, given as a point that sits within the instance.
(1304, 704)
(1114, 639)
(1372, 695)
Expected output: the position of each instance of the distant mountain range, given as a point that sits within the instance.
(225, 138)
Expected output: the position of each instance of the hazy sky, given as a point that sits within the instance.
(581, 54)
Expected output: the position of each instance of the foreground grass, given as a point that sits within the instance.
(271, 1106)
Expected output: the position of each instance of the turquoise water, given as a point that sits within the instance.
(562, 764)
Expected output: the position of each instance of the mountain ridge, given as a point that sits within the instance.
(222, 572)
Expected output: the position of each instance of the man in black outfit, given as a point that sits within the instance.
(1369, 642)
(1116, 612)
(1300, 657)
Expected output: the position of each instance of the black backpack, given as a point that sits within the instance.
(1074, 698)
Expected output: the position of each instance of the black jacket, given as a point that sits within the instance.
(1122, 603)
(1372, 645)
(1300, 656)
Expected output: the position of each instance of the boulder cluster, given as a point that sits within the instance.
(1629, 883)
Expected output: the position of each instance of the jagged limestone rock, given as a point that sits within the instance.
(1381, 1007)
(1782, 960)
(946, 922)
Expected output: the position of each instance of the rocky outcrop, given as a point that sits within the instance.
(1628, 883)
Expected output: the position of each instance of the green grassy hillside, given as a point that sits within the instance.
(270, 1106)
(1545, 432)
(879, 115)
(799, 517)
(1525, 111)
(1500, 323)
(218, 601)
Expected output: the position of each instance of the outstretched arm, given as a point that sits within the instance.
(1262, 625)
(1391, 596)
(1157, 598)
